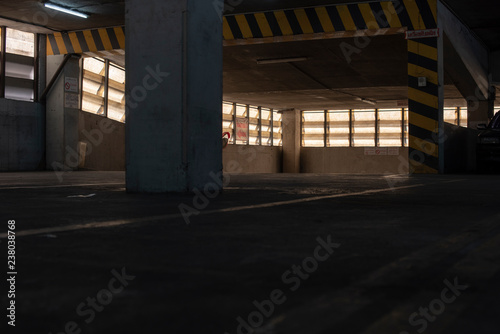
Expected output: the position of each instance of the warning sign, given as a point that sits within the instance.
(414, 34)
(381, 151)
(375, 150)
(71, 85)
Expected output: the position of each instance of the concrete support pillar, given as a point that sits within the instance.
(62, 110)
(425, 97)
(174, 95)
(291, 141)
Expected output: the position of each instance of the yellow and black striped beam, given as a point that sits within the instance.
(335, 21)
(106, 39)
(386, 17)
(423, 101)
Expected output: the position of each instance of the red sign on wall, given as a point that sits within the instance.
(414, 34)
(242, 129)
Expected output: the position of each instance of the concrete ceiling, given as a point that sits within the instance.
(325, 80)
(479, 15)
(103, 13)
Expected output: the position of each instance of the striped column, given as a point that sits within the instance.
(423, 101)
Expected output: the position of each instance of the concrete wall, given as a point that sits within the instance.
(252, 159)
(62, 121)
(351, 160)
(104, 143)
(22, 143)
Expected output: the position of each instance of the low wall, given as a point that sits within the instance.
(104, 143)
(22, 136)
(353, 160)
(252, 159)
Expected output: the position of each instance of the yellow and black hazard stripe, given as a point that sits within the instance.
(423, 105)
(386, 17)
(389, 16)
(423, 102)
(105, 39)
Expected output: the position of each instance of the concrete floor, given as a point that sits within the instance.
(400, 239)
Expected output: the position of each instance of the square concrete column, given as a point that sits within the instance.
(291, 141)
(174, 95)
(425, 92)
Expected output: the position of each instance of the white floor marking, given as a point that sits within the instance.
(121, 222)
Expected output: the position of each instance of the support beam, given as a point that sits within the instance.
(472, 53)
(174, 95)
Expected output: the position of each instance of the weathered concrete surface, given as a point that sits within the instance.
(61, 122)
(21, 136)
(104, 140)
(174, 90)
(352, 160)
(472, 52)
(252, 159)
(397, 248)
(291, 123)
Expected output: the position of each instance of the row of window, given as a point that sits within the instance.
(103, 93)
(252, 125)
(17, 48)
(364, 127)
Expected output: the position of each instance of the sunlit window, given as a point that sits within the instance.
(94, 89)
(254, 125)
(363, 128)
(390, 127)
(19, 65)
(227, 120)
(463, 117)
(94, 85)
(116, 93)
(406, 127)
(266, 127)
(241, 124)
(277, 129)
(20, 43)
(339, 128)
(451, 115)
(313, 128)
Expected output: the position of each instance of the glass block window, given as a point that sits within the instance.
(313, 128)
(339, 128)
(389, 130)
(363, 128)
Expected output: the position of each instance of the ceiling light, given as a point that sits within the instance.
(65, 10)
(365, 100)
(280, 60)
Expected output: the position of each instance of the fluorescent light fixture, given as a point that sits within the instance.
(65, 10)
(365, 100)
(280, 60)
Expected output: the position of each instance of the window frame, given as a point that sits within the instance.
(35, 59)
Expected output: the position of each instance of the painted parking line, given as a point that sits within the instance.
(122, 222)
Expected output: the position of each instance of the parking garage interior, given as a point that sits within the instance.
(248, 166)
